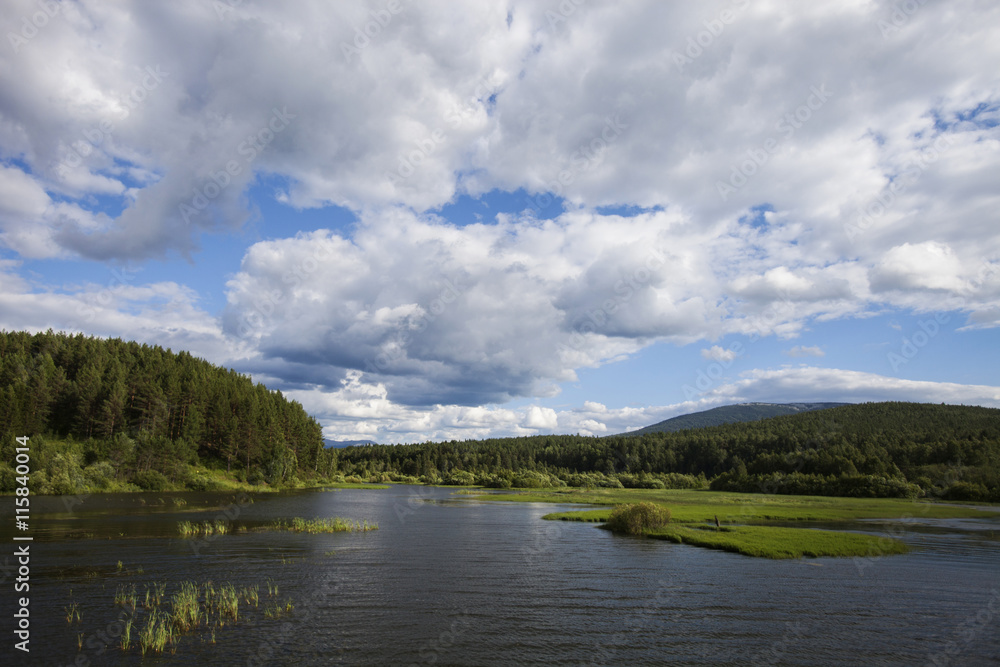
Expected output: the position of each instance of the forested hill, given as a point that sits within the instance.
(144, 412)
(730, 414)
(871, 449)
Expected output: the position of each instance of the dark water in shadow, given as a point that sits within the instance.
(450, 581)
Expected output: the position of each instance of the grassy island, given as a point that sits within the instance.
(747, 522)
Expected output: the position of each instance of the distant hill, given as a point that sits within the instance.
(731, 414)
(340, 444)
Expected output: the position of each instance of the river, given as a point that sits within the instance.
(447, 580)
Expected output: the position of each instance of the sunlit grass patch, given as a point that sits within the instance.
(780, 542)
(203, 529)
(328, 525)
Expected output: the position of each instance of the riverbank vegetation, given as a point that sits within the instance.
(109, 415)
(872, 450)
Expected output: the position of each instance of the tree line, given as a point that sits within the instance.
(142, 415)
(106, 414)
(890, 449)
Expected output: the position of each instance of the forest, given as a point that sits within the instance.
(110, 415)
(115, 415)
(889, 449)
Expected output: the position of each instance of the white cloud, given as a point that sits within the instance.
(716, 353)
(348, 419)
(806, 351)
(929, 265)
(881, 194)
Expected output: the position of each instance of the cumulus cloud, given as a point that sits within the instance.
(765, 186)
(347, 419)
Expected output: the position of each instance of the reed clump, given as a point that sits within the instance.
(327, 525)
(638, 518)
(203, 529)
(193, 608)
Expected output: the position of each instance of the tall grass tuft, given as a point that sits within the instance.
(229, 602)
(638, 518)
(156, 633)
(185, 607)
(203, 529)
(127, 635)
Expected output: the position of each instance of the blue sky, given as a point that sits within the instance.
(528, 218)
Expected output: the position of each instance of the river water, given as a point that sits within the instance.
(447, 580)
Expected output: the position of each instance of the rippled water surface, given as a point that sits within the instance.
(452, 581)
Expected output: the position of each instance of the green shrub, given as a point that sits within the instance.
(637, 518)
(150, 480)
(99, 475)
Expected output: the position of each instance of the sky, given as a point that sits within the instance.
(438, 220)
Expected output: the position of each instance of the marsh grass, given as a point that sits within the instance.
(126, 640)
(193, 609)
(229, 603)
(278, 610)
(693, 509)
(156, 633)
(203, 529)
(638, 518)
(126, 596)
(328, 525)
(186, 608)
(72, 611)
(780, 542)
(699, 506)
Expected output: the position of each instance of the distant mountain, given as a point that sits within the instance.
(730, 414)
(340, 444)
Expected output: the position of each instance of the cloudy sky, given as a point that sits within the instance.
(445, 220)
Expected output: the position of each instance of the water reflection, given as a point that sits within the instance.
(451, 581)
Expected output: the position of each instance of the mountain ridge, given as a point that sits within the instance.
(731, 414)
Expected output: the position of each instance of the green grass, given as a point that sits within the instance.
(203, 529)
(329, 525)
(697, 505)
(692, 509)
(778, 542)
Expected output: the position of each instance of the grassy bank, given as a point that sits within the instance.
(777, 542)
(693, 511)
(696, 505)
